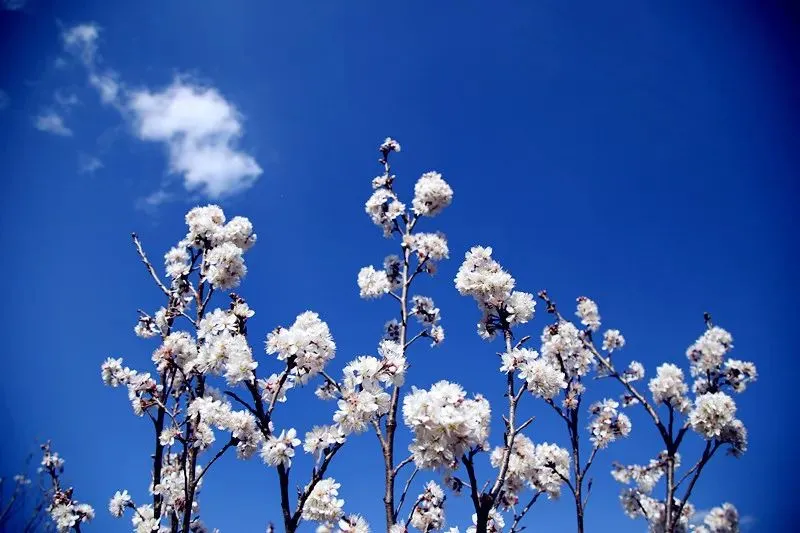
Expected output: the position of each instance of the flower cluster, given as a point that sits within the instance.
(306, 346)
(563, 348)
(481, 277)
(541, 377)
(279, 450)
(723, 519)
(607, 424)
(710, 368)
(428, 514)
(66, 512)
(445, 423)
(428, 315)
(588, 313)
(431, 195)
(363, 395)
(323, 503)
(668, 387)
(542, 467)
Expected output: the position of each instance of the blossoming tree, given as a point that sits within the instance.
(208, 394)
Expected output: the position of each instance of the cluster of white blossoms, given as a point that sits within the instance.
(65, 512)
(669, 387)
(588, 313)
(637, 504)
(373, 283)
(322, 438)
(613, 340)
(307, 346)
(492, 287)
(429, 247)
(710, 368)
(118, 503)
(712, 413)
(220, 246)
(428, 316)
(543, 467)
(445, 423)
(142, 388)
(644, 476)
(214, 411)
(428, 513)
(362, 394)
(350, 524)
(495, 524)
(323, 503)
(607, 423)
(542, 378)
(563, 348)
(722, 519)
(279, 450)
(431, 195)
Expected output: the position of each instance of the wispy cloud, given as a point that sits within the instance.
(66, 100)
(4, 100)
(198, 126)
(88, 164)
(51, 122)
(13, 5)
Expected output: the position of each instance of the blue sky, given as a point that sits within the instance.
(641, 154)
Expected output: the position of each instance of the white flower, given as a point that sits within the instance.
(205, 225)
(383, 207)
(543, 379)
(634, 372)
(712, 413)
(445, 423)
(372, 283)
(308, 341)
(483, 278)
(423, 308)
(430, 246)
(668, 387)
(724, 519)
(437, 335)
(118, 503)
(707, 352)
(588, 313)
(224, 266)
(269, 388)
(520, 307)
(353, 523)
(239, 231)
(144, 520)
(607, 424)
(389, 145)
(428, 513)
(321, 438)
(177, 261)
(613, 340)
(431, 194)
(280, 450)
(322, 504)
(562, 343)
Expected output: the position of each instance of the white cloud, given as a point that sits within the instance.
(14, 5)
(200, 129)
(4, 100)
(82, 39)
(66, 100)
(51, 122)
(88, 164)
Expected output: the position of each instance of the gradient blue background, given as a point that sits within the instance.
(641, 153)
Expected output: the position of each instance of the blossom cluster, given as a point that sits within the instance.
(445, 423)
(483, 278)
(428, 514)
(64, 510)
(543, 467)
